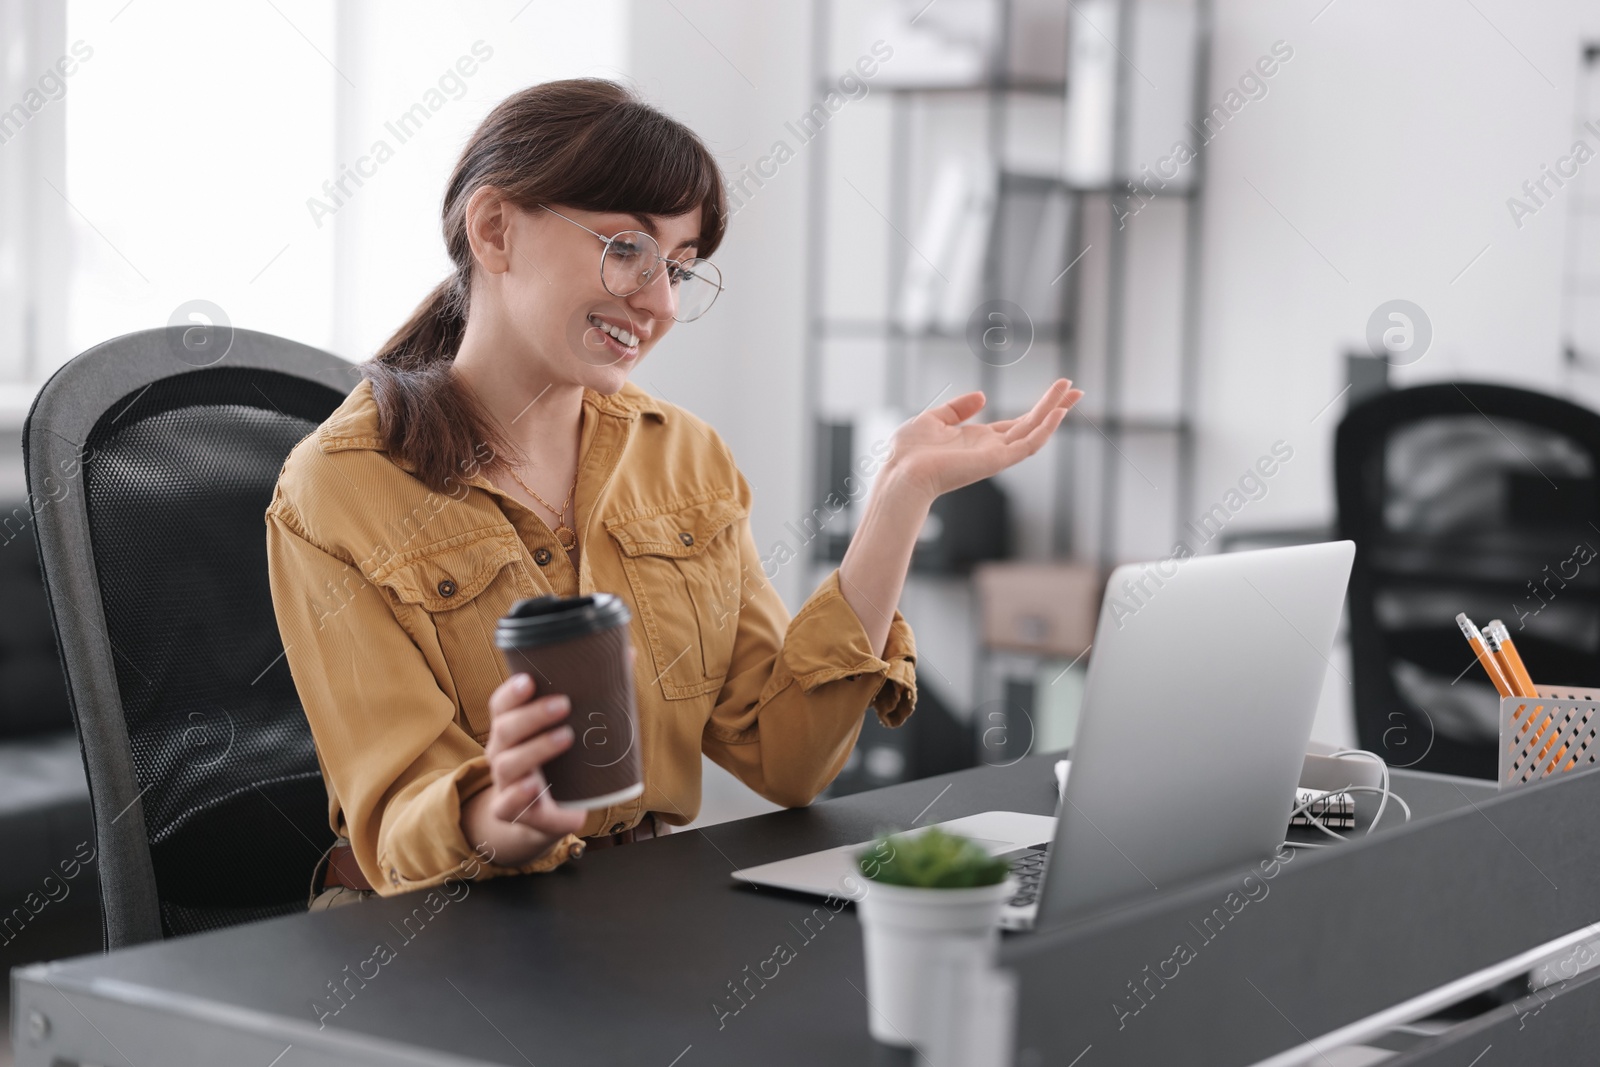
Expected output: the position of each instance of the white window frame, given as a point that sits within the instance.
(34, 256)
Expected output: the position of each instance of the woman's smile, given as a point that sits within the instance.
(622, 341)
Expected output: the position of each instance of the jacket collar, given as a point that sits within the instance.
(354, 424)
(628, 402)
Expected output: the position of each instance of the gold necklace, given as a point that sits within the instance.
(564, 533)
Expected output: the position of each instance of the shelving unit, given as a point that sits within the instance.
(1105, 416)
(1092, 468)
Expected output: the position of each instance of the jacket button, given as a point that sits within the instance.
(618, 828)
(447, 588)
(541, 555)
(686, 537)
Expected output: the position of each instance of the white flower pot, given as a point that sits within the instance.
(923, 947)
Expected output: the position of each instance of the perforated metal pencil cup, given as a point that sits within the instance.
(1551, 733)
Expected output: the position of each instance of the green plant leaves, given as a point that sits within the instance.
(932, 859)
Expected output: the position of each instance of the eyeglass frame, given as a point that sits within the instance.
(649, 274)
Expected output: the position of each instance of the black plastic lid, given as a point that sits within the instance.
(545, 620)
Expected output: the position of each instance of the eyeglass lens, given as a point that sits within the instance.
(631, 260)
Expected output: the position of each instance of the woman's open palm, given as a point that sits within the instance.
(940, 450)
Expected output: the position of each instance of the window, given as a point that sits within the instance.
(211, 152)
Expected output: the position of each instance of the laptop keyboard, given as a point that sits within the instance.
(1028, 869)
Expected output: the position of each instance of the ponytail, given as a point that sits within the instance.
(433, 333)
(426, 415)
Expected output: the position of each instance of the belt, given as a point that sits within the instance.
(342, 869)
(647, 827)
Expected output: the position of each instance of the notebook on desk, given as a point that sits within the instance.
(1200, 694)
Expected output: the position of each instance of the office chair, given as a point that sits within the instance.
(1475, 498)
(151, 460)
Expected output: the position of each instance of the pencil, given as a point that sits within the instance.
(1475, 639)
(1510, 659)
(1498, 640)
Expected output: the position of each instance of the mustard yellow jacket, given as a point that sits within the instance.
(387, 594)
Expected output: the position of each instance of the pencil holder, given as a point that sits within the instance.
(1552, 733)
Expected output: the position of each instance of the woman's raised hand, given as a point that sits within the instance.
(939, 450)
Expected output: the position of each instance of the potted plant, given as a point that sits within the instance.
(930, 915)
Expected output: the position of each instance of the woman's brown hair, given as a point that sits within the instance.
(585, 142)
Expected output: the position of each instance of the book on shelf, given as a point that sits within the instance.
(944, 266)
(936, 45)
(936, 234)
(968, 252)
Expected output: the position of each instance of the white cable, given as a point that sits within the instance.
(1383, 770)
(1382, 789)
(1398, 799)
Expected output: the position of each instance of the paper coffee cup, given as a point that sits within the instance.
(578, 646)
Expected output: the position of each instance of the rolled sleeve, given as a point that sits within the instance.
(421, 843)
(826, 642)
(396, 762)
(797, 692)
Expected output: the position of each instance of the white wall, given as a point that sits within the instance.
(1390, 141)
(1377, 167)
(735, 72)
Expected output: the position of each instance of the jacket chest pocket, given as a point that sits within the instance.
(683, 567)
(464, 586)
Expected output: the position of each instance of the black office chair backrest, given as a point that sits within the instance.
(1476, 498)
(151, 460)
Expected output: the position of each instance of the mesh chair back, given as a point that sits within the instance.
(1475, 498)
(149, 478)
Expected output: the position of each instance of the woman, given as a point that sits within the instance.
(495, 449)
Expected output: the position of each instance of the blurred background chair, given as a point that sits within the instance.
(45, 828)
(150, 462)
(1475, 498)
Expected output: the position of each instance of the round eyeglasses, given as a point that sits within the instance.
(631, 259)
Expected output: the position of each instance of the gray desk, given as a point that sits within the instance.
(1340, 943)
(618, 958)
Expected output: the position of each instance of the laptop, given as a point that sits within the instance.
(1197, 711)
